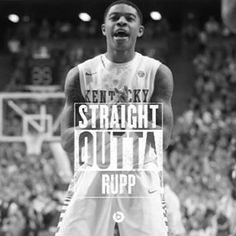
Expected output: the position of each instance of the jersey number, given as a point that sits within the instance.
(41, 75)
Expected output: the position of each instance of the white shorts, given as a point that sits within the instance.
(87, 212)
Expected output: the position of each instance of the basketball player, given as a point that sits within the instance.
(131, 77)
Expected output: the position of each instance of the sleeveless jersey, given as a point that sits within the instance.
(98, 79)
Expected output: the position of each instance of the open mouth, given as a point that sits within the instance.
(121, 34)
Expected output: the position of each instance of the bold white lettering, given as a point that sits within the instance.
(84, 123)
(154, 118)
(104, 112)
(123, 182)
(131, 183)
(105, 184)
(94, 116)
(114, 122)
(131, 119)
(142, 117)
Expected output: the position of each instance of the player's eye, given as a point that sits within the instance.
(130, 18)
(114, 17)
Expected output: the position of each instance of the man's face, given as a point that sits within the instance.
(122, 27)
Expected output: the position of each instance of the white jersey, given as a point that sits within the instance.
(98, 79)
(87, 211)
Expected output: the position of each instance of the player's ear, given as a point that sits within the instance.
(140, 31)
(103, 29)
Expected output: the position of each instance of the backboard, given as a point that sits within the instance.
(30, 113)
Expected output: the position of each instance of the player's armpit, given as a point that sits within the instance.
(163, 90)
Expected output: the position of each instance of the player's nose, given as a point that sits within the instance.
(122, 21)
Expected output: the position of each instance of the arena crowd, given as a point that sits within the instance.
(200, 160)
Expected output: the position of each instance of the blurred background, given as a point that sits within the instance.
(41, 40)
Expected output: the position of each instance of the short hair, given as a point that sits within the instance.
(126, 2)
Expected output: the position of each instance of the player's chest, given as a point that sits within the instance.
(103, 79)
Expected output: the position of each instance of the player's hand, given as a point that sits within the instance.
(122, 95)
(122, 99)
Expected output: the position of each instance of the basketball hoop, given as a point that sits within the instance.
(46, 119)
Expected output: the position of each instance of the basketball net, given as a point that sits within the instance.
(33, 142)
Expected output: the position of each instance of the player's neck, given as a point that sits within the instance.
(119, 56)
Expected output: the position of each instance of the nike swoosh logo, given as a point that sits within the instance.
(87, 73)
(152, 191)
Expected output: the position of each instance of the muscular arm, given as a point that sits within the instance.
(163, 89)
(72, 95)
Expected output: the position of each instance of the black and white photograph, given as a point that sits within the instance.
(118, 118)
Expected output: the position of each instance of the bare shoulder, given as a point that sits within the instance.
(164, 77)
(72, 77)
(72, 86)
(164, 85)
